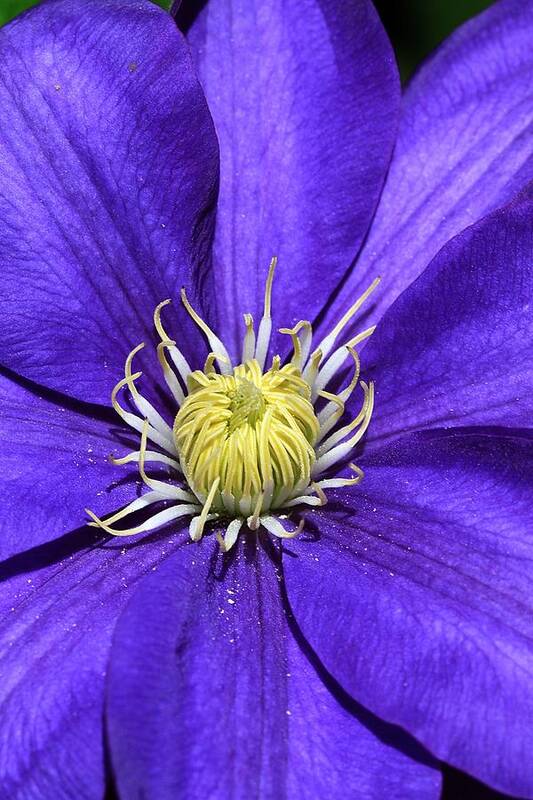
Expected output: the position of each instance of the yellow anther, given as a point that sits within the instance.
(251, 431)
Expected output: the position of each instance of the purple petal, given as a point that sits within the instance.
(58, 607)
(55, 463)
(211, 696)
(421, 596)
(465, 147)
(305, 99)
(455, 347)
(108, 167)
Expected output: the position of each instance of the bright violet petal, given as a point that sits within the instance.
(209, 695)
(55, 462)
(58, 607)
(305, 99)
(454, 349)
(421, 601)
(465, 147)
(108, 168)
(337, 750)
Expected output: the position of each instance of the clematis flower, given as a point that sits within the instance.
(297, 648)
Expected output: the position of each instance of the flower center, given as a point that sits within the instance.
(253, 432)
(246, 443)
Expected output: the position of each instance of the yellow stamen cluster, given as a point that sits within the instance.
(247, 442)
(255, 432)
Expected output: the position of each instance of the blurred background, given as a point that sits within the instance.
(415, 26)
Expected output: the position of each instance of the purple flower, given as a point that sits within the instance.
(395, 631)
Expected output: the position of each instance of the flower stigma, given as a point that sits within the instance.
(248, 445)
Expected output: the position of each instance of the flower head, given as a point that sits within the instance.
(393, 632)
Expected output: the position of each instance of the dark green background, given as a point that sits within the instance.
(10, 8)
(415, 26)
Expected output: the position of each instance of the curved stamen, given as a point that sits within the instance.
(311, 370)
(151, 524)
(144, 406)
(341, 450)
(275, 527)
(336, 360)
(177, 357)
(265, 326)
(296, 344)
(308, 499)
(136, 422)
(150, 455)
(254, 521)
(341, 433)
(346, 393)
(169, 375)
(164, 489)
(327, 343)
(214, 342)
(158, 321)
(336, 483)
(147, 499)
(232, 533)
(306, 340)
(210, 361)
(338, 405)
(196, 528)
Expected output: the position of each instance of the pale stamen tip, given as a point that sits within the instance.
(320, 493)
(95, 521)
